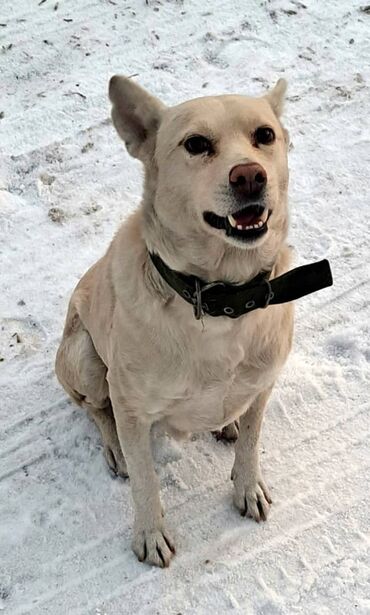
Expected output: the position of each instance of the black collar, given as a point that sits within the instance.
(234, 300)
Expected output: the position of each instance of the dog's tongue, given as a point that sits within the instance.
(246, 217)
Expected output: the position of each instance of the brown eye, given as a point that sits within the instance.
(198, 145)
(264, 135)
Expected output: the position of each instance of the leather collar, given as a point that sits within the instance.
(234, 300)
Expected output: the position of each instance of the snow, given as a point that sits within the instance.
(65, 184)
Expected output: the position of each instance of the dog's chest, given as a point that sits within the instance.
(213, 380)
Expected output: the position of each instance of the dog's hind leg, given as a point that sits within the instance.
(106, 424)
(82, 373)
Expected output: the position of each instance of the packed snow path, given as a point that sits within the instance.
(65, 184)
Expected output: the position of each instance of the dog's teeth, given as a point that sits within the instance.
(231, 221)
(250, 227)
(264, 216)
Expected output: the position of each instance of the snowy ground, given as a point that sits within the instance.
(65, 183)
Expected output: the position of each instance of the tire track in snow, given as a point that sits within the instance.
(67, 527)
(284, 535)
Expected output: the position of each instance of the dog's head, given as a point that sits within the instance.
(219, 163)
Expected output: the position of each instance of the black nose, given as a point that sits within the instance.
(248, 180)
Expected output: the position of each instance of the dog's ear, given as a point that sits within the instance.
(136, 116)
(276, 97)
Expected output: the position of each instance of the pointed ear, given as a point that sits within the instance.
(276, 97)
(136, 116)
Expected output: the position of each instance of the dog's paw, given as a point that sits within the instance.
(252, 498)
(230, 433)
(154, 546)
(115, 460)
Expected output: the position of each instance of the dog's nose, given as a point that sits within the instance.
(248, 180)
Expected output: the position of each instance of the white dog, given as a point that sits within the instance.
(165, 327)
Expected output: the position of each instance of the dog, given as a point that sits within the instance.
(134, 351)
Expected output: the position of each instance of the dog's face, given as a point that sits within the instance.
(220, 163)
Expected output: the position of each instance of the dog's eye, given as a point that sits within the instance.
(264, 135)
(198, 145)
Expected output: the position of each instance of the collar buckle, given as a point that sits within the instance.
(270, 293)
(197, 300)
(201, 308)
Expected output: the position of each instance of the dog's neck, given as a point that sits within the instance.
(209, 257)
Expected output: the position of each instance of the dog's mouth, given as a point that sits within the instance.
(247, 224)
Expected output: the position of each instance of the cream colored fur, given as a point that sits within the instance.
(132, 352)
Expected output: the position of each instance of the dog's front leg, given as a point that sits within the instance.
(151, 542)
(251, 495)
